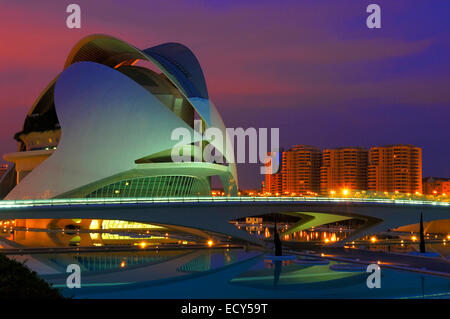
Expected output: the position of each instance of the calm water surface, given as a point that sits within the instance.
(222, 273)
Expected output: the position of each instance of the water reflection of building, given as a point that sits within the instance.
(200, 263)
(99, 263)
(88, 232)
(84, 224)
(211, 259)
(253, 220)
(288, 274)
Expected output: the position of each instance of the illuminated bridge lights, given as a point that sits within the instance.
(6, 204)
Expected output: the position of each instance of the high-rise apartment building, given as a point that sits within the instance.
(301, 170)
(343, 169)
(395, 168)
(273, 178)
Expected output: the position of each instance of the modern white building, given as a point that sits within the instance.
(102, 127)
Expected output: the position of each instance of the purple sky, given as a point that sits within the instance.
(311, 68)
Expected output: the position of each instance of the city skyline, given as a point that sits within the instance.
(308, 170)
(332, 81)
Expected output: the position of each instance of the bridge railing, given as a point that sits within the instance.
(10, 204)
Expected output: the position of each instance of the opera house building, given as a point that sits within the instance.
(102, 128)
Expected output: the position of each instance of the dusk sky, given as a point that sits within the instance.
(311, 68)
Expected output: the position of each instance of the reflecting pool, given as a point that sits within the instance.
(222, 273)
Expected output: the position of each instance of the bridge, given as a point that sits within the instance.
(213, 214)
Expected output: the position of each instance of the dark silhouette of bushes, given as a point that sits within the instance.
(17, 281)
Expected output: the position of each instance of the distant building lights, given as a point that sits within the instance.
(210, 243)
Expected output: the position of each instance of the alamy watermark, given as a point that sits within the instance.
(373, 21)
(220, 146)
(374, 279)
(74, 279)
(73, 20)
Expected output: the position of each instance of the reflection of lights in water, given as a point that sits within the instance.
(94, 236)
(122, 264)
(120, 224)
(269, 264)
